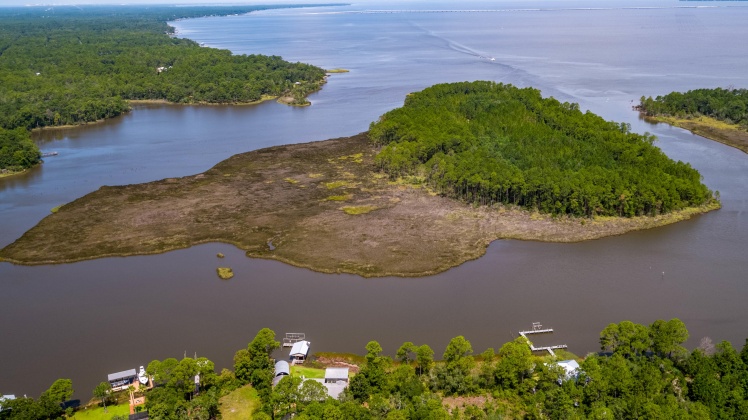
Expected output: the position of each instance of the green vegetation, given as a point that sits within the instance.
(728, 105)
(486, 143)
(99, 413)
(239, 404)
(306, 228)
(17, 151)
(225, 272)
(354, 210)
(73, 65)
(644, 372)
(49, 405)
(307, 372)
(338, 197)
(339, 184)
(717, 114)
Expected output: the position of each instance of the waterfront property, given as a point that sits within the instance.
(299, 352)
(292, 338)
(336, 374)
(5, 398)
(537, 328)
(281, 370)
(122, 380)
(571, 369)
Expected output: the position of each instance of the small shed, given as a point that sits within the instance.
(571, 369)
(122, 380)
(281, 368)
(299, 351)
(336, 374)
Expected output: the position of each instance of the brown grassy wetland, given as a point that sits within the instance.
(318, 205)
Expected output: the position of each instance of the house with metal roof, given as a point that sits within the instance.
(336, 374)
(281, 368)
(571, 369)
(299, 351)
(281, 371)
(121, 380)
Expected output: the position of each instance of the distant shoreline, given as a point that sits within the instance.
(710, 128)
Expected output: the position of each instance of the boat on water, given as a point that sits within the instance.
(142, 376)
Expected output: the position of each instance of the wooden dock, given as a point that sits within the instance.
(291, 338)
(537, 328)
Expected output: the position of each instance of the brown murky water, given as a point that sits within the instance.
(88, 319)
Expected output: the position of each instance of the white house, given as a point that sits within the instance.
(299, 351)
(571, 369)
(336, 374)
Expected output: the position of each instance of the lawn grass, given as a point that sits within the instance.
(307, 372)
(240, 404)
(98, 412)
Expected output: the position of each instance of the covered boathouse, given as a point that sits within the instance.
(121, 380)
(299, 352)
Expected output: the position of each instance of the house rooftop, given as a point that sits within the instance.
(121, 375)
(336, 373)
(300, 347)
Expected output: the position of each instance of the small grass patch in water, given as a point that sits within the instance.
(225, 273)
(291, 181)
(315, 176)
(354, 210)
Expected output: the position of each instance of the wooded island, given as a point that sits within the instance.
(350, 205)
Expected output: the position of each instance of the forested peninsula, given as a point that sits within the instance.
(68, 65)
(342, 206)
(718, 114)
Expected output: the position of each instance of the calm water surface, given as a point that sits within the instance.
(88, 319)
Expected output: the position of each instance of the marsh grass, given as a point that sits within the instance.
(355, 210)
(345, 197)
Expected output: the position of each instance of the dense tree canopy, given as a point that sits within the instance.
(644, 374)
(17, 151)
(488, 143)
(71, 65)
(729, 105)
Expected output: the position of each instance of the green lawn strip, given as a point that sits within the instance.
(307, 372)
(239, 404)
(99, 413)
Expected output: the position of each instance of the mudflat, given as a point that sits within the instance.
(320, 205)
